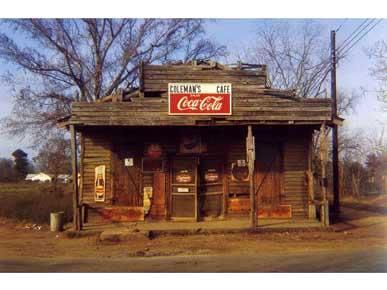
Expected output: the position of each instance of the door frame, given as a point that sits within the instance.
(196, 184)
(171, 160)
(222, 182)
(279, 157)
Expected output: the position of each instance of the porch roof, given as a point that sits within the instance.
(258, 108)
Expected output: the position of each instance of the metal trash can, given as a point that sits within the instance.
(56, 221)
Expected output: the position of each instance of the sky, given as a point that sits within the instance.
(353, 72)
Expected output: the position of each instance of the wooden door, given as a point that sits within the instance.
(127, 180)
(211, 187)
(184, 188)
(268, 168)
(157, 210)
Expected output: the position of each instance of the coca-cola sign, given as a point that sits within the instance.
(199, 98)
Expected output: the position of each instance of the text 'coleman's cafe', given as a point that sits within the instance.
(197, 142)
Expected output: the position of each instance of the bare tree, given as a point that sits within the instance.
(352, 144)
(297, 56)
(63, 60)
(54, 157)
(376, 142)
(378, 53)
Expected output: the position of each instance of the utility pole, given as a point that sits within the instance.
(335, 138)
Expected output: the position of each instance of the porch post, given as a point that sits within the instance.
(309, 176)
(250, 148)
(77, 223)
(324, 180)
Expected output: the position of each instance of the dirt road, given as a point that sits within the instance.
(357, 245)
(365, 260)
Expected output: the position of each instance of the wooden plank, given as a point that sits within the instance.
(250, 153)
(281, 211)
(158, 210)
(121, 213)
(191, 70)
(77, 223)
(238, 205)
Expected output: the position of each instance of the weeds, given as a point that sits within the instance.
(34, 202)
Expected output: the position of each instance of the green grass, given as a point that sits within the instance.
(33, 202)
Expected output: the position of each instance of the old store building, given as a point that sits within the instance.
(197, 141)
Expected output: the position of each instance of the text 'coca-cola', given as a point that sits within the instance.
(213, 99)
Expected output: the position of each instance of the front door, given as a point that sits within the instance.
(184, 182)
(268, 167)
(211, 187)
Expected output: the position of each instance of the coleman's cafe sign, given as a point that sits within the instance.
(199, 99)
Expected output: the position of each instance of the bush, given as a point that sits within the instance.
(34, 202)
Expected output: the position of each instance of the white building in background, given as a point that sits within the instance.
(40, 177)
(29, 177)
(64, 178)
(44, 177)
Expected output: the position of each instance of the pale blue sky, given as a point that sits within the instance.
(352, 74)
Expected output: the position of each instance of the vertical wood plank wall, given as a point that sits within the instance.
(296, 152)
(96, 151)
(103, 147)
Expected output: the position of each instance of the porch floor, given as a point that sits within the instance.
(213, 226)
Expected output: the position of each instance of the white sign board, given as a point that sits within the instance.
(128, 161)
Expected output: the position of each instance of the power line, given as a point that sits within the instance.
(355, 33)
(361, 37)
(358, 34)
(341, 25)
(326, 65)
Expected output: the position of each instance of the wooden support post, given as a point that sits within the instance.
(309, 176)
(324, 180)
(250, 146)
(76, 211)
(141, 80)
(335, 130)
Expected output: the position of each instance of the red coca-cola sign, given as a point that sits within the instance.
(199, 98)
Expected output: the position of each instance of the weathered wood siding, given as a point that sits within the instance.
(247, 108)
(156, 77)
(127, 180)
(238, 200)
(96, 151)
(295, 167)
(124, 190)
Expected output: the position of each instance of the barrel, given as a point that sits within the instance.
(56, 221)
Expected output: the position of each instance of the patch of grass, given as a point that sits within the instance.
(33, 202)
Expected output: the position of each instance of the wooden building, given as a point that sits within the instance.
(196, 141)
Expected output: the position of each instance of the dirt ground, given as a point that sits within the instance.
(18, 241)
(359, 230)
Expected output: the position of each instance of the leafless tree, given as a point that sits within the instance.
(63, 60)
(297, 56)
(54, 157)
(352, 144)
(376, 142)
(378, 53)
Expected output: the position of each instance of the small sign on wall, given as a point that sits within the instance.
(182, 189)
(128, 162)
(100, 183)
